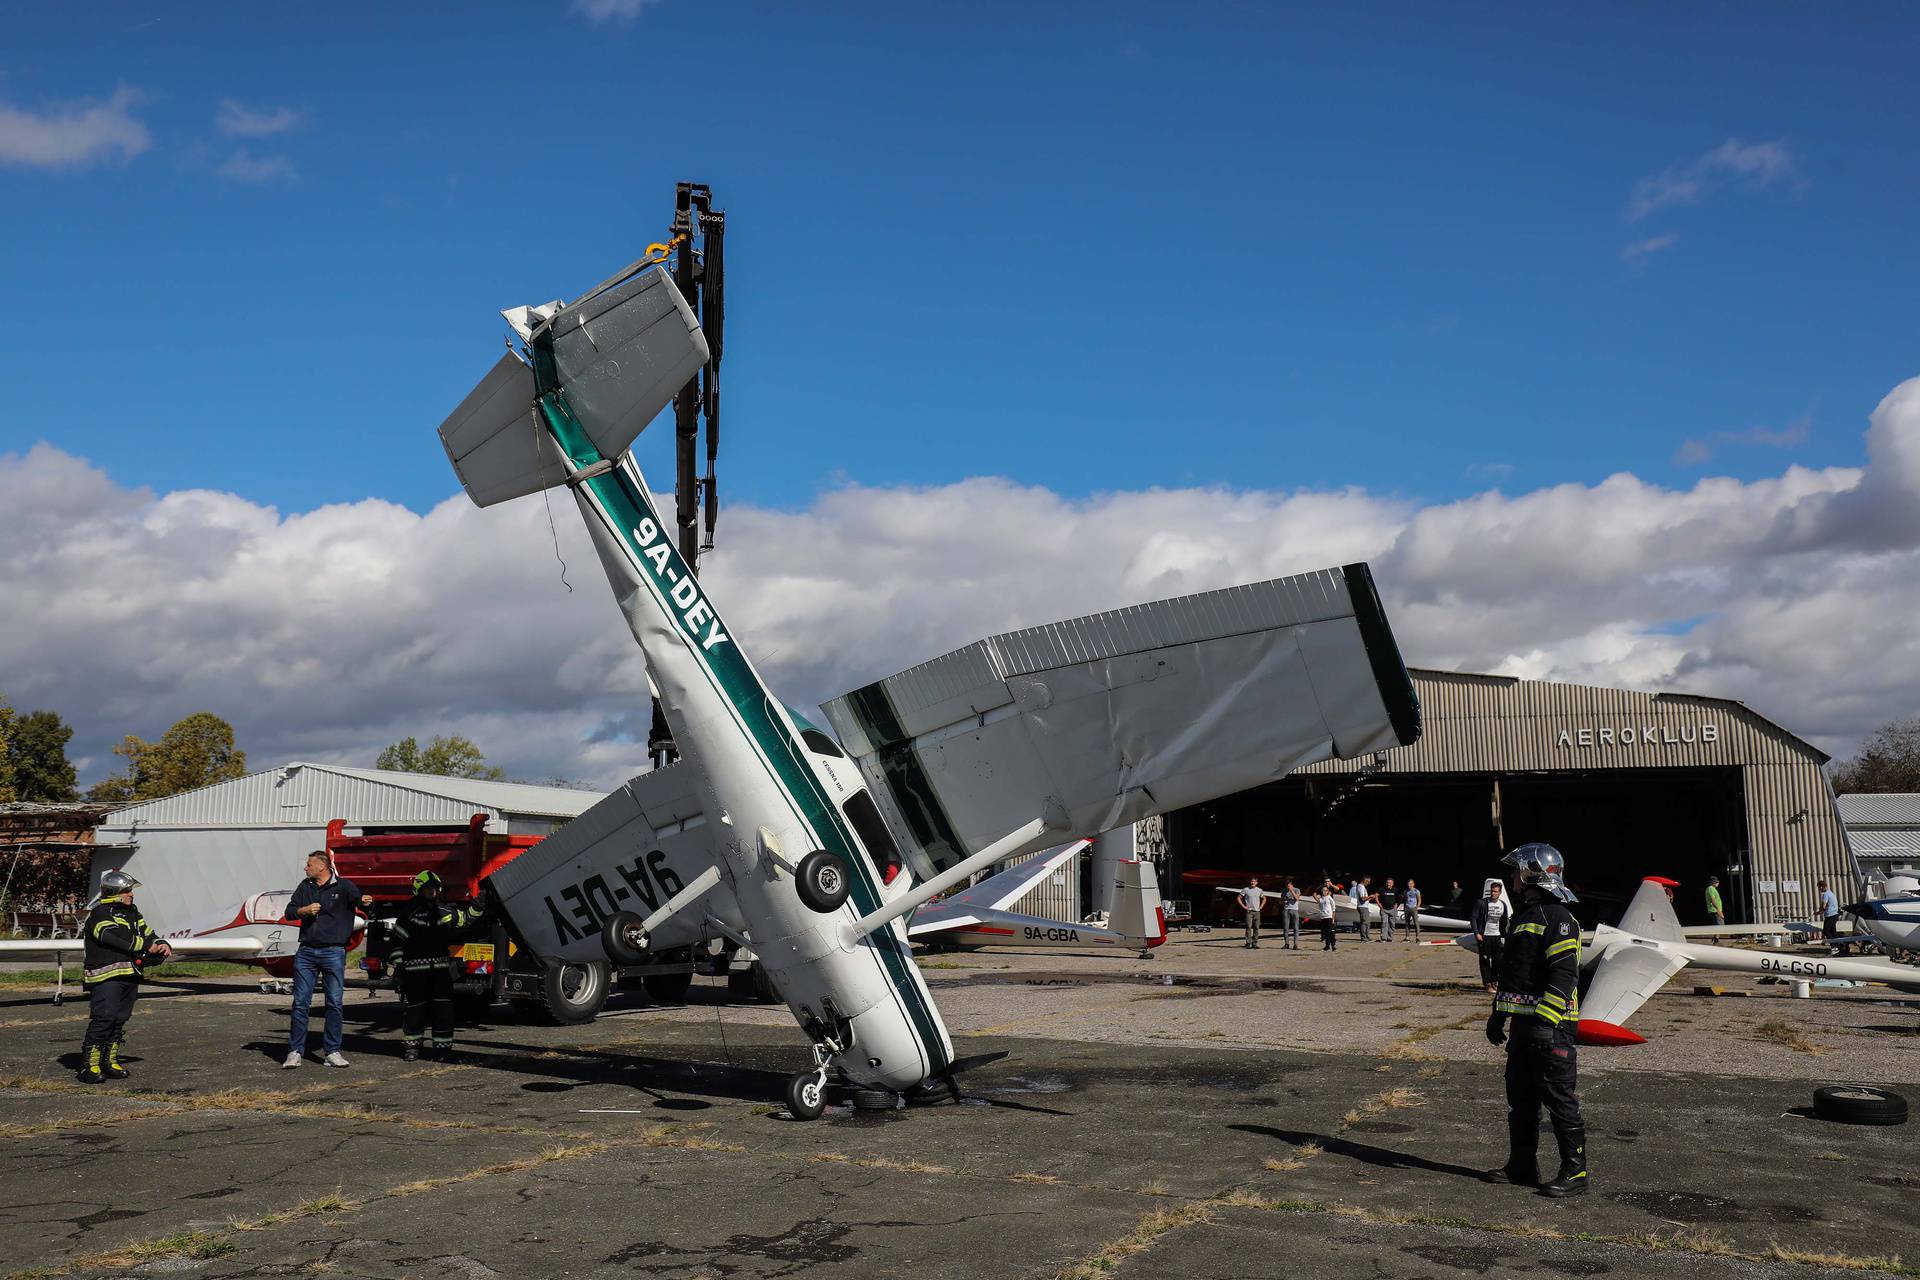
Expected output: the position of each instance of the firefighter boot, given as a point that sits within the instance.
(110, 1067)
(90, 1069)
(411, 1053)
(1572, 1178)
(1522, 1168)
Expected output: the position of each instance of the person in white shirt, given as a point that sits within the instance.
(1325, 902)
(1490, 916)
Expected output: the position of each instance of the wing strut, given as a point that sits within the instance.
(696, 888)
(1005, 847)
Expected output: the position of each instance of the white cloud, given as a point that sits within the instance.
(73, 135)
(237, 120)
(1699, 450)
(1757, 164)
(599, 11)
(244, 166)
(328, 634)
(1640, 250)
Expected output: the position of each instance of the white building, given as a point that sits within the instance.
(201, 853)
(1884, 830)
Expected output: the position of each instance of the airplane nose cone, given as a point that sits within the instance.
(1594, 1032)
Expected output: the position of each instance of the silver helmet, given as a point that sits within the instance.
(1541, 867)
(115, 882)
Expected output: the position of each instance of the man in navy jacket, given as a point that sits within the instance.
(324, 904)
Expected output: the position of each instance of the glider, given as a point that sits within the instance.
(1621, 967)
(980, 916)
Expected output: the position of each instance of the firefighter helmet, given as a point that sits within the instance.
(1541, 867)
(117, 882)
(425, 878)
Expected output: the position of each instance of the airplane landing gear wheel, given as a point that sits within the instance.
(807, 1095)
(823, 880)
(623, 940)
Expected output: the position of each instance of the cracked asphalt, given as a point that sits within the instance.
(1213, 1113)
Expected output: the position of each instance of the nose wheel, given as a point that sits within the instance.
(807, 1094)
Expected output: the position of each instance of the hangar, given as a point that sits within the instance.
(1625, 783)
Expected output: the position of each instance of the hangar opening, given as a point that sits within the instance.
(1626, 784)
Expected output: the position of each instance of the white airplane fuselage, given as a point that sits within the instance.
(771, 798)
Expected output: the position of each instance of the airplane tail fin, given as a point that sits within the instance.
(1137, 911)
(619, 354)
(1650, 914)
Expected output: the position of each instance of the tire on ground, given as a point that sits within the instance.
(1859, 1104)
(667, 988)
(572, 993)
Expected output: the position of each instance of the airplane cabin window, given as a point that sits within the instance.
(872, 829)
(821, 744)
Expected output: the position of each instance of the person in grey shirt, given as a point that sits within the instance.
(1290, 917)
(1413, 911)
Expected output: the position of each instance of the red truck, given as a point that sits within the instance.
(494, 968)
(501, 967)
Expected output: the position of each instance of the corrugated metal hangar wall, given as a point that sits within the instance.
(1626, 783)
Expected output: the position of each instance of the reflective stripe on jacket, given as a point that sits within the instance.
(1540, 968)
(115, 934)
(425, 930)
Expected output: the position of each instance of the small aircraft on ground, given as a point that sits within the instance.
(1621, 967)
(979, 916)
(1893, 918)
(812, 849)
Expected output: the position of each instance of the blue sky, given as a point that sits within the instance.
(1098, 248)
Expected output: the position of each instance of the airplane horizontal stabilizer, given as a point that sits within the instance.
(618, 355)
(632, 851)
(1097, 721)
(1625, 975)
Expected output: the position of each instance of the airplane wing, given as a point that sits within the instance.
(998, 892)
(1095, 722)
(632, 851)
(181, 946)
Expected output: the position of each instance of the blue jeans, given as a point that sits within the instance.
(310, 964)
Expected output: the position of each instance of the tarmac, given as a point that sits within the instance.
(1213, 1112)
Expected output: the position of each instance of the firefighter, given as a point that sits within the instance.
(425, 929)
(119, 943)
(1539, 990)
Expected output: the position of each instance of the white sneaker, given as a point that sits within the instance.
(293, 1060)
(335, 1059)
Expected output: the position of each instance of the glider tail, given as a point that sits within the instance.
(1137, 911)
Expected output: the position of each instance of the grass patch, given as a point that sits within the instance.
(1139, 1240)
(1391, 1100)
(1045, 1179)
(184, 969)
(1789, 1035)
(880, 1162)
(1777, 1252)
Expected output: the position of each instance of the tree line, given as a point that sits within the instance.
(197, 751)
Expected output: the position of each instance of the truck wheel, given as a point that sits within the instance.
(572, 994)
(668, 988)
(751, 985)
(1859, 1104)
(823, 880)
(622, 939)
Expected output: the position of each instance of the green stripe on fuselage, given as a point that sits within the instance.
(627, 504)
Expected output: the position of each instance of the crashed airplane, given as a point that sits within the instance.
(773, 835)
